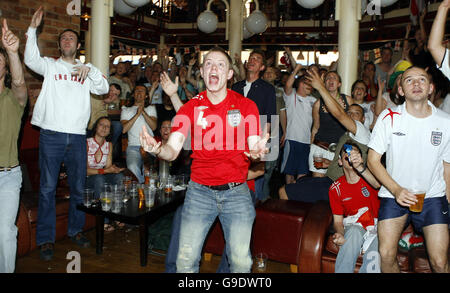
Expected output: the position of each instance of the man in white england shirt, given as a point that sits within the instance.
(62, 112)
(416, 139)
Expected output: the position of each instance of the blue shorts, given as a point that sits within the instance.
(295, 158)
(435, 211)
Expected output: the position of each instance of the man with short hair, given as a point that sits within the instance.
(62, 112)
(354, 203)
(416, 139)
(133, 118)
(13, 98)
(225, 131)
(263, 94)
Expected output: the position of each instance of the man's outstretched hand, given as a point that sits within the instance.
(148, 143)
(259, 149)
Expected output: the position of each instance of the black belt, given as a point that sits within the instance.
(224, 186)
(7, 168)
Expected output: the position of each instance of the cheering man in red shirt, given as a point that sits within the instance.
(225, 132)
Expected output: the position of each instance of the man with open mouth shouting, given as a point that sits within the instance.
(225, 135)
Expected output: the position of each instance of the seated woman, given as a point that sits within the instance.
(100, 169)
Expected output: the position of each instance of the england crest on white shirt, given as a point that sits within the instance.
(436, 138)
(234, 117)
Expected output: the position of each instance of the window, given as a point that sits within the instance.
(308, 57)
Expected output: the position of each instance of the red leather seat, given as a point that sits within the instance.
(284, 230)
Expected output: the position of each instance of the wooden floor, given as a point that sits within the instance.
(120, 255)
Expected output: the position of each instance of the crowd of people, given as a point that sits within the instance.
(362, 152)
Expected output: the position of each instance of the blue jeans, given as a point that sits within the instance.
(269, 167)
(116, 131)
(56, 148)
(10, 183)
(96, 182)
(259, 185)
(350, 250)
(172, 250)
(135, 163)
(236, 213)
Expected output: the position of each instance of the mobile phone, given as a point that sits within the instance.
(348, 148)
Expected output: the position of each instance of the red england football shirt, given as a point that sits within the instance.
(346, 199)
(218, 136)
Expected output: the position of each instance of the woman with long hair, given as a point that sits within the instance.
(100, 168)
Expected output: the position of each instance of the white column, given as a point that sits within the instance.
(235, 28)
(99, 45)
(348, 13)
(100, 35)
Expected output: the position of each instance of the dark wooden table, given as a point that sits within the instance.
(134, 212)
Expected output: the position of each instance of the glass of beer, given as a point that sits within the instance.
(147, 177)
(418, 206)
(318, 160)
(168, 187)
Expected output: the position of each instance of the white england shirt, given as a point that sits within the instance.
(415, 148)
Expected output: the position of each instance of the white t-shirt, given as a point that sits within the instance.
(133, 134)
(445, 66)
(368, 113)
(362, 134)
(415, 148)
(299, 117)
(445, 106)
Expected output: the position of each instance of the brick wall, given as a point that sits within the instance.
(19, 13)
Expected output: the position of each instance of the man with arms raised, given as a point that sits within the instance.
(62, 112)
(416, 139)
(225, 131)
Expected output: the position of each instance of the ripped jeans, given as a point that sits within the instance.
(236, 212)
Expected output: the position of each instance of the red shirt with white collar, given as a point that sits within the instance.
(218, 136)
(346, 199)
